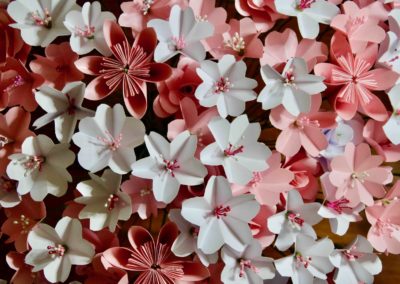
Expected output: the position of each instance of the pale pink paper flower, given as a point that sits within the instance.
(57, 67)
(304, 130)
(153, 258)
(361, 26)
(141, 193)
(356, 82)
(259, 228)
(280, 47)
(359, 176)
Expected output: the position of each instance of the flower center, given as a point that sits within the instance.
(385, 228)
(305, 121)
(170, 166)
(246, 264)
(71, 105)
(18, 81)
(24, 222)
(338, 205)
(255, 181)
(86, 32)
(4, 141)
(32, 163)
(301, 260)
(110, 141)
(233, 150)
(352, 254)
(42, 19)
(288, 78)
(56, 250)
(354, 23)
(111, 202)
(236, 43)
(221, 211)
(203, 18)
(223, 85)
(146, 6)
(144, 192)
(304, 4)
(358, 177)
(295, 219)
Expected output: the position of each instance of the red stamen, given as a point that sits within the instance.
(231, 151)
(221, 211)
(170, 166)
(338, 205)
(246, 264)
(295, 218)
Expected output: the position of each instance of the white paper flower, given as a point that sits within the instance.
(293, 89)
(108, 139)
(41, 167)
(338, 212)
(310, 259)
(104, 202)
(9, 196)
(170, 165)
(392, 126)
(389, 52)
(247, 267)
(309, 14)
(40, 21)
(181, 34)
(222, 218)
(86, 29)
(63, 107)
(356, 264)
(298, 218)
(186, 243)
(225, 85)
(337, 139)
(236, 149)
(55, 250)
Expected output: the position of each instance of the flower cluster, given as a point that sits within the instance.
(199, 141)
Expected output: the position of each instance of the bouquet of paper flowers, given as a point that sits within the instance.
(199, 141)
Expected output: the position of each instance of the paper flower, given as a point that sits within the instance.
(9, 196)
(392, 126)
(86, 28)
(248, 266)
(102, 271)
(222, 218)
(153, 258)
(338, 211)
(108, 139)
(186, 243)
(337, 138)
(297, 218)
(181, 34)
(356, 263)
(63, 107)
(293, 89)
(304, 130)
(40, 168)
(358, 175)
(170, 165)
(40, 22)
(355, 80)
(55, 250)
(129, 69)
(57, 68)
(389, 54)
(309, 14)
(23, 272)
(104, 203)
(236, 149)
(142, 197)
(225, 85)
(310, 259)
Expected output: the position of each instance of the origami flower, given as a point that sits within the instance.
(310, 259)
(389, 54)
(40, 21)
(222, 218)
(55, 250)
(108, 139)
(355, 80)
(181, 34)
(392, 126)
(298, 218)
(153, 258)
(361, 26)
(281, 47)
(248, 266)
(170, 165)
(41, 167)
(337, 138)
(186, 243)
(63, 107)
(17, 85)
(9, 196)
(14, 129)
(293, 89)
(236, 149)
(309, 14)
(57, 68)
(225, 85)
(259, 227)
(142, 197)
(23, 272)
(358, 176)
(339, 213)
(268, 185)
(129, 69)
(102, 271)
(304, 130)
(86, 28)
(104, 203)
(356, 263)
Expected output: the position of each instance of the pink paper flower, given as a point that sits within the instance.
(154, 259)
(23, 272)
(352, 75)
(102, 272)
(358, 175)
(129, 70)
(57, 68)
(304, 130)
(259, 227)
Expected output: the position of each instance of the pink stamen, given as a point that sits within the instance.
(111, 202)
(385, 228)
(112, 143)
(257, 178)
(305, 121)
(44, 21)
(71, 105)
(222, 85)
(232, 150)
(57, 250)
(170, 166)
(179, 42)
(18, 81)
(304, 4)
(221, 211)
(33, 162)
(289, 77)
(338, 205)
(295, 218)
(86, 32)
(351, 254)
(305, 261)
(246, 264)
